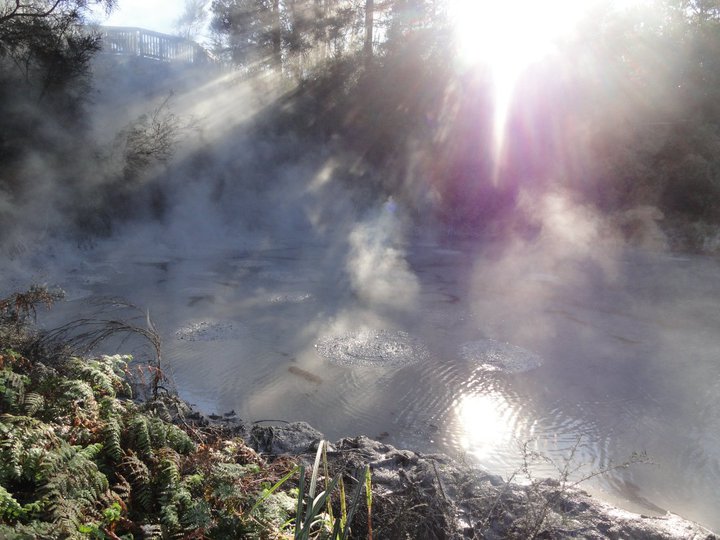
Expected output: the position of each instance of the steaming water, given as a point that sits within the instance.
(484, 361)
(380, 348)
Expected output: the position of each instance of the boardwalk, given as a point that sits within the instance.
(136, 42)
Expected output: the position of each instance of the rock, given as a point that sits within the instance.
(295, 438)
(434, 497)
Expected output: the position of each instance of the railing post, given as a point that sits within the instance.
(152, 45)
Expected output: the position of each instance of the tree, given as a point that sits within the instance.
(44, 41)
(369, 23)
(251, 32)
(193, 19)
(289, 35)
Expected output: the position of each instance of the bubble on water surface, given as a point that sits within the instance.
(290, 298)
(492, 355)
(210, 331)
(372, 348)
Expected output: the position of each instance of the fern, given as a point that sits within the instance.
(23, 441)
(140, 480)
(32, 531)
(69, 474)
(158, 432)
(11, 449)
(10, 509)
(78, 391)
(122, 488)
(141, 436)
(170, 518)
(77, 399)
(105, 374)
(97, 373)
(168, 479)
(160, 409)
(178, 440)
(152, 531)
(116, 367)
(196, 514)
(111, 433)
(62, 429)
(67, 518)
(12, 389)
(91, 451)
(32, 403)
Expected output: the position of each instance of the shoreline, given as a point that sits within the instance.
(459, 494)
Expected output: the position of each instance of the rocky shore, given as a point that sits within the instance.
(431, 496)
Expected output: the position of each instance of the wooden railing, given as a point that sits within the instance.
(141, 43)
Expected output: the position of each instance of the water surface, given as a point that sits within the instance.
(482, 355)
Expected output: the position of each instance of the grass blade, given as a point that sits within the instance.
(368, 500)
(301, 499)
(329, 509)
(313, 511)
(316, 467)
(273, 489)
(353, 506)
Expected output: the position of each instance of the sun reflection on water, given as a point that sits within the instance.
(487, 423)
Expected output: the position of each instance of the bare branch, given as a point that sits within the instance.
(18, 11)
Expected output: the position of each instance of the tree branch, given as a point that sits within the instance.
(16, 12)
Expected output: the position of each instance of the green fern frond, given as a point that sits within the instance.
(72, 483)
(111, 433)
(10, 509)
(116, 366)
(77, 393)
(158, 431)
(12, 389)
(196, 514)
(32, 403)
(68, 518)
(178, 440)
(31, 531)
(94, 372)
(170, 519)
(11, 454)
(160, 409)
(140, 480)
(91, 451)
(168, 479)
(113, 408)
(77, 390)
(23, 442)
(141, 436)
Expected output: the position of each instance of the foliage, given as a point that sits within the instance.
(18, 307)
(314, 516)
(623, 115)
(151, 138)
(539, 503)
(43, 40)
(80, 459)
(115, 319)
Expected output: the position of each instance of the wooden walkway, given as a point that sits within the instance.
(136, 42)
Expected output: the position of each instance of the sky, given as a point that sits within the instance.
(158, 15)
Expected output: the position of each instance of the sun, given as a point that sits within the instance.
(505, 37)
(511, 35)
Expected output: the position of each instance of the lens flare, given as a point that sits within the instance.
(505, 38)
